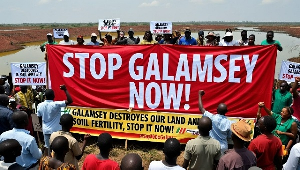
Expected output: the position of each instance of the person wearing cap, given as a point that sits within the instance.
(93, 40)
(221, 125)
(80, 40)
(211, 39)
(271, 41)
(228, 40)
(49, 41)
(244, 41)
(200, 39)
(66, 40)
(187, 39)
(202, 152)
(130, 40)
(267, 147)
(239, 157)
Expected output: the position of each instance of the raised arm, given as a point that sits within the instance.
(295, 87)
(262, 104)
(102, 39)
(69, 99)
(200, 104)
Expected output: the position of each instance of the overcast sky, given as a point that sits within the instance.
(82, 11)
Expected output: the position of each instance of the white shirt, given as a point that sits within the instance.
(5, 166)
(158, 165)
(231, 43)
(71, 42)
(293, 161)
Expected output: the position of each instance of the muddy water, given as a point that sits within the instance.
(32, 52)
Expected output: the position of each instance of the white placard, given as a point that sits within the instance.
(33, 73)
(289, 70)
(161, 27)
(59, 32)
(109, 25)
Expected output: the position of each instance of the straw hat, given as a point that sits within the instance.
(242, 130)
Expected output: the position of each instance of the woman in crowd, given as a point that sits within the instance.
(148, 39)
(286, 128)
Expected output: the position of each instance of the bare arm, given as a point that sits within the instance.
(201, 108)
(291, 135)
(262, 104)
(102, 39)
(86, 136)
(258, 116)
(69, 99)
(295, 86)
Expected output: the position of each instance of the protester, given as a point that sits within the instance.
(101, 161)
(130, 40)
(271, 41)
(10, 149)
(244, 41)
(108, 39)
(293, 160)
(80, 40)
(200, 39)
(176, 36)
(202, 152)
(5, 84)
(30, 150)
(66, 40)
(296, 97)
(251, 40)
(49, 41)
(171, 151)
(167, 39)
(267, 147)
(148, 39)
(187, 39)
(75, 152)
(49, 113)
(60, 148)
(239, 157)
(158, 37)
(286, 128)
(281, 98)
(93, 40)
(131, 161)
(211, 39)
(221, 125)
(228, 40)
(6, 122)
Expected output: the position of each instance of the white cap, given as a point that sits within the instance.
(228, 34)
(49, 34)
(66, 33)
(93, 35)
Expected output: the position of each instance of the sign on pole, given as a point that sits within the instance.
(289, 70)
(59, 32)
(109, 25)
(161, 27)
(28, 73)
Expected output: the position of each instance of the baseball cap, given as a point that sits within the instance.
(93, 35)
(66, 33)
(228, 34)
(49, 34)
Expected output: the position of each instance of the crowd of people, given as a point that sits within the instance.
(221, 143)
(211, 39)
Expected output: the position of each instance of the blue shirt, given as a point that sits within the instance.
(50, 112)
(184, 41)
(30, 152)
(220, 129)
(6, 122)
(91, 43)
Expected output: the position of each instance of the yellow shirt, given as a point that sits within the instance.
(144, 42)
(24, 99)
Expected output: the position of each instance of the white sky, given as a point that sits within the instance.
(83, 11)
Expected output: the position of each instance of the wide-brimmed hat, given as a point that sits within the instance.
(93, 35)
(210, 34)
(242, 130)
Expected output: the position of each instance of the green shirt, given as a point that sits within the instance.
(283, 127)
(45, 43)
(265, 42)
(281, 100)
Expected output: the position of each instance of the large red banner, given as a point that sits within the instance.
(164, 78)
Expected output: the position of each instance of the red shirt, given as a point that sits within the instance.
(266, 148)
(296, 107)
(91, 162)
